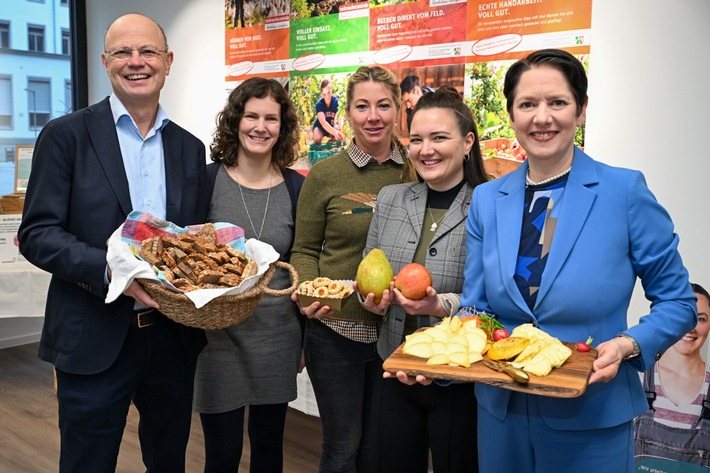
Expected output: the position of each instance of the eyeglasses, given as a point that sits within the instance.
(126, 53)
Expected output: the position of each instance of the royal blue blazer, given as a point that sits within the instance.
(611, 231)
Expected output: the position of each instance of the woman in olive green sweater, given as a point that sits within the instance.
(334, 213)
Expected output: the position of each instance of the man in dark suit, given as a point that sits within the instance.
(90, 170)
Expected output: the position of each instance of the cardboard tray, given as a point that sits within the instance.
(569, 380)
(333, 303)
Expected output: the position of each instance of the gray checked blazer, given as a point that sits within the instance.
(396, 228)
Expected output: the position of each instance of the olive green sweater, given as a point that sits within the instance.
(332, 223)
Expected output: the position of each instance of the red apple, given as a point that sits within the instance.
(412, 281)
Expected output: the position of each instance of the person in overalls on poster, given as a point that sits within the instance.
(673, 436)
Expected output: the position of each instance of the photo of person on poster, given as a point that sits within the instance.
(327, 123)
(412, 90)
(414, 82)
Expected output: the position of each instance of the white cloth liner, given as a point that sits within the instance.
(125, 267)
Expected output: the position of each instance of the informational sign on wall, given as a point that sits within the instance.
(9, 245)
(466, 44)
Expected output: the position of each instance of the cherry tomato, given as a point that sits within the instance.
(500, 334)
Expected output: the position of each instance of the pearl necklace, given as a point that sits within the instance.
(530, 182)
(266, 209)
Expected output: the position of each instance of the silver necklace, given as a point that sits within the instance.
(435, 224)
(266, 209)
(530, 182)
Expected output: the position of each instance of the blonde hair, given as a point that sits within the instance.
(385, 77)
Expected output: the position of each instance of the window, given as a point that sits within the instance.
(4, 34)
(67, 97)
(38, 103)
(66, 42)
(5, 102)
(35, 38)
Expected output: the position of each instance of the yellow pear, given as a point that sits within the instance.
(374, 274)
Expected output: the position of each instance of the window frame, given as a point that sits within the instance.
(11, 126)
(79, 63)
(66, 41)
(32, 110)
(35, 32)
(5, 23)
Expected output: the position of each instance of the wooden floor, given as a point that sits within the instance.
(29, 436)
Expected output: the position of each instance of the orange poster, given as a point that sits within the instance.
(256, 38)
(499, 30)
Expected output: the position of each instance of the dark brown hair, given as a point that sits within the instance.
(225, 143)
(448, 98)
(698, 289)
(566, 63)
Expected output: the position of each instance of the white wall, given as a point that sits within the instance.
(648, 103)
(648, 110)
(195, 91)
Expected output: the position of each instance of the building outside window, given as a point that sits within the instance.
(36, 54)
(66, 42)
(38, 102)
(5, 102)
(67, 97)
(4, 34)
(35, 38)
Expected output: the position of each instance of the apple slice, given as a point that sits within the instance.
(437, 333)
(460, 359)
(437, 348)
(418, 337)
(478, 332)
(458, 338)
(440, 359)
(452, 347)
(474, 357)
(475, 343)
(454, 324)
(421, 350)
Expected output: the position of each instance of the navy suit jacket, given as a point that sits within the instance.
(77, 196)
(610, 232)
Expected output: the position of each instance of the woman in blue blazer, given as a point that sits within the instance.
(560, 243)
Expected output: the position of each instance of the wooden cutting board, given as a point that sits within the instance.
(569, 380)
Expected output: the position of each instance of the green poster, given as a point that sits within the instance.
(328, 43)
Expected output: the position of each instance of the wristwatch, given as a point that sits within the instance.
(637, 349)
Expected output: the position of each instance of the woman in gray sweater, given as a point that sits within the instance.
(256, 362)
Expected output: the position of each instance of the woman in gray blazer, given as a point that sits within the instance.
(424, 222)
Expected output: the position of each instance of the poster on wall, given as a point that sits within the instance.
(499, 33)
(256, 38)
(312, 46)
(329, 40)
(418, 33)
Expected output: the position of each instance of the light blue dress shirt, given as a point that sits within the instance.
(142, 159)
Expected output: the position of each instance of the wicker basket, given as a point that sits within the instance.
(223, 311)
